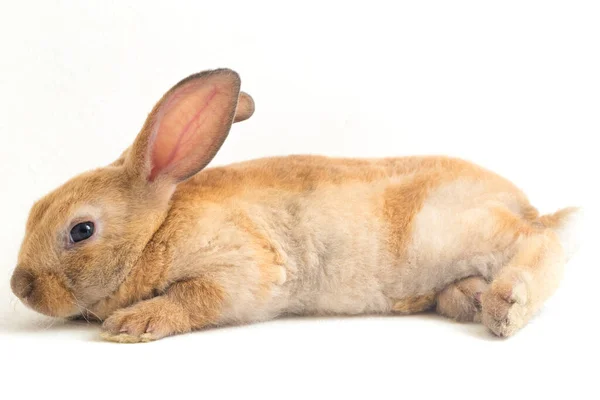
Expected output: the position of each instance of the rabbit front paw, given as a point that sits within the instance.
(146, 321)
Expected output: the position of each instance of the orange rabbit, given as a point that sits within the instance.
(155, 245)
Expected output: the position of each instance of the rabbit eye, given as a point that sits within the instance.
(82, 231)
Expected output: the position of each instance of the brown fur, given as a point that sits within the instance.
(415, 304)
(401, 203)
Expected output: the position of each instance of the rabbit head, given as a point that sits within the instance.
(83, 238)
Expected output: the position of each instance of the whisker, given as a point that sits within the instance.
(80, 309)
(13, 304)
(83, 308)
(50, 325)
(93, 313)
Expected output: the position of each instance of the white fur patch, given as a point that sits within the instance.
(570, 232)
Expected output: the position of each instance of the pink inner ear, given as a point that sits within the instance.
(189, 128)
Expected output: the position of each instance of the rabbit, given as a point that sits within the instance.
(154, 244)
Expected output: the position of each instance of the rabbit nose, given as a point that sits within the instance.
(22, 283)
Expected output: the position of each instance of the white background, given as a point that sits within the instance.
(511, 85)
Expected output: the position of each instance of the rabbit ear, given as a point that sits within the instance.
(186, 128)
(245, 107)
(244, 110)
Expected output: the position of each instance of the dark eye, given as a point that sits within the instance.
(82, 231)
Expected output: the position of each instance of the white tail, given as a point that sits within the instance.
(568, 224)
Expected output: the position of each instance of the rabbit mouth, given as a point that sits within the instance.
(44, 292)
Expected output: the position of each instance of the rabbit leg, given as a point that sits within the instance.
(185, 306)
(520, 288)
(462, 300)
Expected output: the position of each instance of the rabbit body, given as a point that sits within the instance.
(328, 236)
(155, 245)
(318, 235)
